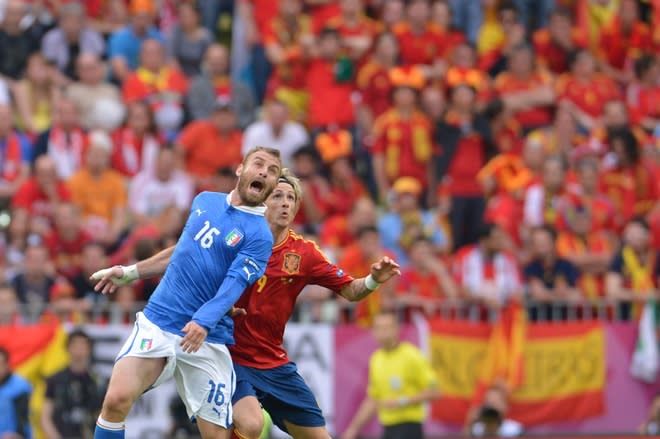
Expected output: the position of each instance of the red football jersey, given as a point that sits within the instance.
(295, 263)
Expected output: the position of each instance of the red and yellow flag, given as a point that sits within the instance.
(36, 352)
(556, 372)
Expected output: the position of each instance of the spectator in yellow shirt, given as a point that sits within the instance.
(400, 381)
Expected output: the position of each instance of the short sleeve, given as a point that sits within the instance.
(424, 374)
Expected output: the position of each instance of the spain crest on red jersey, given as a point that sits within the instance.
(291, 263)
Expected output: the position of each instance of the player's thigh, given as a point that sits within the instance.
(209, 430)
(205, 381)
(248, 417)
(132, 376)
(301, 432)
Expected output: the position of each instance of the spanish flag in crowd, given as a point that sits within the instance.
(36, 352)
(554, 371)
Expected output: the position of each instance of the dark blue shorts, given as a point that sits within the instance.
(282, 392)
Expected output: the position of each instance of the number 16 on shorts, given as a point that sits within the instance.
(216, 394)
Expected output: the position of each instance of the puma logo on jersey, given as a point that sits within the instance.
(248, 273)
(200, 212)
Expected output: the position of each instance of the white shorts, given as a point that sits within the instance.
(205, 379)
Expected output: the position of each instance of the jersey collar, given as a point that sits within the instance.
(254, 210)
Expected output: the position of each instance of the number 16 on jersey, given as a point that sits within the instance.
(206, 234)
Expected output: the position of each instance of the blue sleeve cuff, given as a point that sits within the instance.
(215, 309)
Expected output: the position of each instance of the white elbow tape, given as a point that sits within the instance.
(371, 283)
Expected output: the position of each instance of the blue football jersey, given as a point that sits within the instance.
(222, 250)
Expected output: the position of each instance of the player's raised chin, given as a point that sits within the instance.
(257, 176)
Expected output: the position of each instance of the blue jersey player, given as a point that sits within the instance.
(185, 327)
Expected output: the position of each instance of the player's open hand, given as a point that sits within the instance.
(109, 279)
(384, 270)
(195, 336)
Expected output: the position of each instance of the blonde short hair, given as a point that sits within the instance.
(286, 176)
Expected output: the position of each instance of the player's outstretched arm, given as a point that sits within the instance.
(109, 279)
(381, 272)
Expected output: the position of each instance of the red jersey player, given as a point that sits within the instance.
(264, 374)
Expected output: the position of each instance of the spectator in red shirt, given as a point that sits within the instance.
(306, 166)
(525, 90)
(554, 43)
(373, 79)
(36, 199)
(67, 239)
(465, 143)
(338, 232)
(162, 86)
(137, 143)
(289, 41)
(643, 95)
(427, 281)
(622, 41)
(356, 29)
(15, 155)
(329, 82)
(403, 135)
(344, 189)
(420, 41)
(441, 16)
(584, 91)
(547, 200)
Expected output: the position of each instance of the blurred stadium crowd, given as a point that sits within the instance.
(500, 150)
(497, 149)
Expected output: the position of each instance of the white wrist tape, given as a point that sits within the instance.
(371, 283)
(130, 273)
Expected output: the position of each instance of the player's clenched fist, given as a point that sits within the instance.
(195, 336)
(109, 279)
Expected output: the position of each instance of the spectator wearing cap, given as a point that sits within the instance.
(161, 197)
(465, 143)
(16, 43)
(276, 130)
(99, 191)
(63, 44)
(188, 40)
(345, 188)
(553, 44)
(15, 158)
(407, 220)
(644, 93)
(402, 136)
(583, 91)
(91, 93)
(210, 144)
(288, 41)
(526, 91)
(214, 83)
(125, 45)
(329, 82)
(484, 272)
(65, 140)
(164, 87)
(623, 40)
(136, 143)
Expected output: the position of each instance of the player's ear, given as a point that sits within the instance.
(239, 170)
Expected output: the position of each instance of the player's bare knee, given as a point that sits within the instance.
(250, 427)
(118, 402)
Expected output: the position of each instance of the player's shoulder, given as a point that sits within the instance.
(208, 196)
